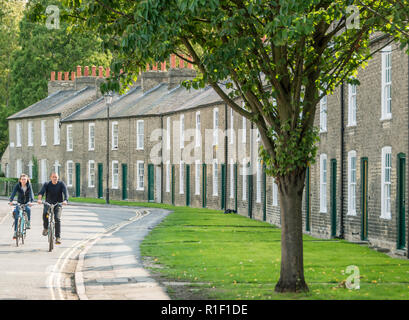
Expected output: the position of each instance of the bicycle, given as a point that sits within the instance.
(21, 230)
(51, 223)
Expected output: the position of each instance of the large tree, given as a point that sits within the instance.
(279, 56)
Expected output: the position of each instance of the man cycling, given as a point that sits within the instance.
(24, 196)
(56, 192)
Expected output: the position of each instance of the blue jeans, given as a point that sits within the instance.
(28, 210)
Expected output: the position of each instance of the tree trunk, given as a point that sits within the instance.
(292, 268)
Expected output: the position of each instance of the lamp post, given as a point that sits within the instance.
(108, 101)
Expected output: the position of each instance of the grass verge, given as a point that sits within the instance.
(228, 256)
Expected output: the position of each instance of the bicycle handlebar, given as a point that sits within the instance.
(52, 205)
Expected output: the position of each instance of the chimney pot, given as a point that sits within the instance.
(59, 75)
(173, 61)
(163, 66)
(107, 71)
(147, 67)
(155, 67)
(52, 75)
(72, 75)
(181, 62)
(94, 71)
(66, 76)
(78, 71)
(101, 71)
(86, 71)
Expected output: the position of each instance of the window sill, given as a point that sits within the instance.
(351, 125)
(139, 149)
(386, 217)
(322, 132)
(323, 211)
(351, 213)
(138, 189)
(386, 118)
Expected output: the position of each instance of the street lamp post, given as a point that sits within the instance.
(108, 101)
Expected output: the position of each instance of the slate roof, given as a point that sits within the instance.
(54, 104)
(135, 103)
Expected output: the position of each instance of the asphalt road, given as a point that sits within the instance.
(91, 237)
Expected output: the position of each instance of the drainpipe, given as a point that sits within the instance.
(225, 157)
(162, 189)
(407, 246)
(341, 232)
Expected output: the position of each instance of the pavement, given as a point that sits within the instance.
(111, 268)
(100, 250)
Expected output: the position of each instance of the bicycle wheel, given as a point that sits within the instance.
(18, 230)
(51, 237)
(23, 230)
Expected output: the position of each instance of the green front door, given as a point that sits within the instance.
(100, 180)
(151, 193)
(333, 197)
(307, 200)
(187, 185)
(364, 199)
(77, 180)
(401, 200)
(124, 181)
(204, 185)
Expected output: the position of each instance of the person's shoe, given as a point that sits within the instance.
(57, 241)
(15, 236)
(28, 225)
(45, 232)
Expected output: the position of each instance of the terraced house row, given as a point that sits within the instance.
(167, 144)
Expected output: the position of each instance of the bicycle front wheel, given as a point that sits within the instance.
(18, 231)
(51, 237)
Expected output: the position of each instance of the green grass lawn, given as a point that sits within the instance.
(227, 256)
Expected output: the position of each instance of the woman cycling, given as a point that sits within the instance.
(24, 196)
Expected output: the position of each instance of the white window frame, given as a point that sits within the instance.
(70, 173)
(57, 167)
(198, 132)
(115, 174)
(352, 104)
(70, 143)
(91, 174)
(244, 130)
(18, 134)
(30, 134)
(258, 181)
(231, 126)
(140, 136)
(323, 182)
(19, 167)
(43, 133)
(232, 181)
(182, 177)
(30, 169)
(386, 183)
(197, 177)
(386, 83)
(140, 176)
(215, 126)
(114, 135)
(182, 131)
(215, 178)
(168, 128)
(323, 114)
(352, 178)
(56, 132)
(91, 136)
(43, 168)
(275, 193)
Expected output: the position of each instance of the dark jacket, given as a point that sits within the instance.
(54, 192)
(22, 197)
